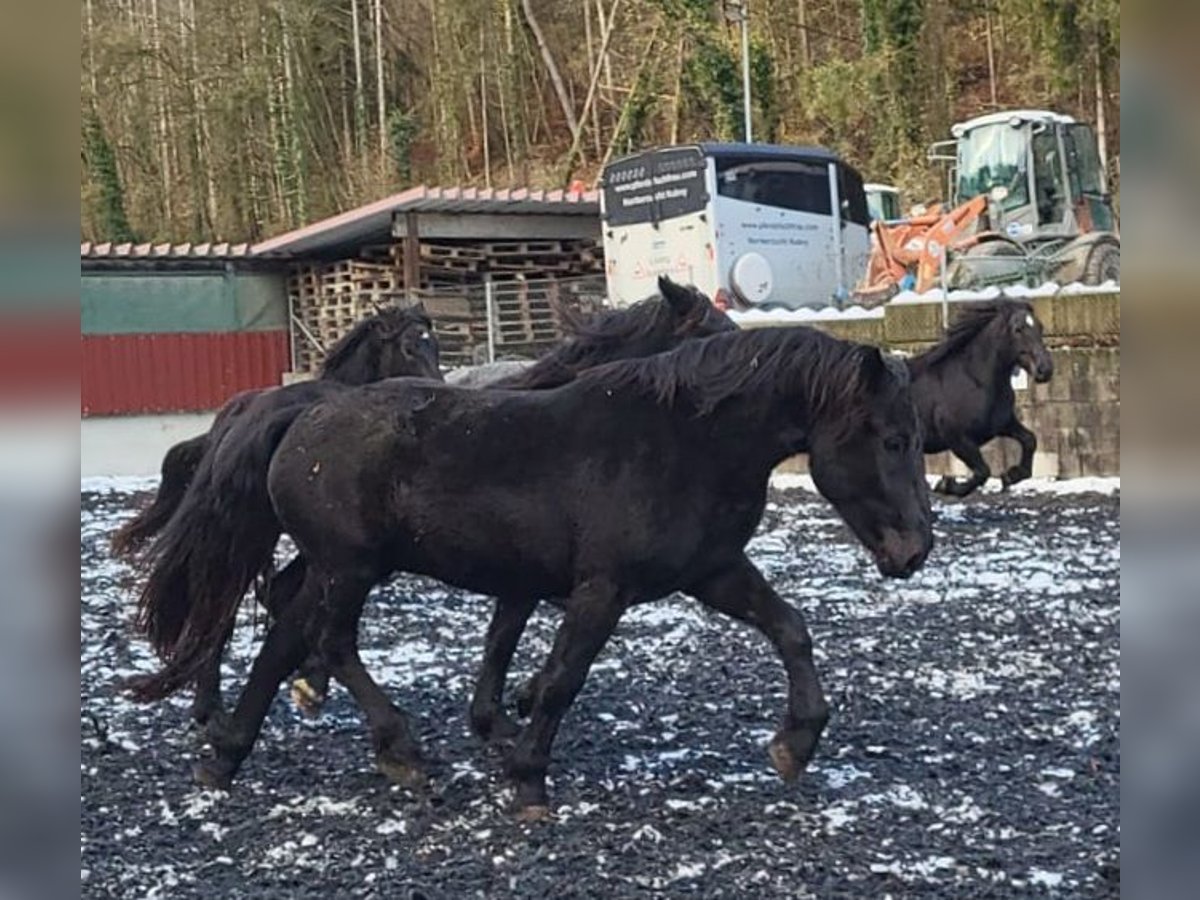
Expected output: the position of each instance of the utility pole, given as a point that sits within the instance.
(737, 12)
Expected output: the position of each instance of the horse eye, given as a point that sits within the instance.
(895, 444)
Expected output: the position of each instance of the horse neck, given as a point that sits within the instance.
(979, 359)
(989, 362)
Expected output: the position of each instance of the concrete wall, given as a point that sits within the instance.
(133, 445)
(1076, 416)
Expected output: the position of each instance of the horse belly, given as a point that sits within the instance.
(488, 547)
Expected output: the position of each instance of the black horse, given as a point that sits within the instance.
(390, 343)
(655, 324)
(635, 480)
(651, 326)
(963, 388)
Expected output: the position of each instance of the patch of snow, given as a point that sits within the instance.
(1045, 878)
(803, 315)
(118, 484)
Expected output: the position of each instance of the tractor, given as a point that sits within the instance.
(1029, 204)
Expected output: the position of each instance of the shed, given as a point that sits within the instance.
(493, 267)
(169, 328)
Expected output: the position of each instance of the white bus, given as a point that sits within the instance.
(751, 225)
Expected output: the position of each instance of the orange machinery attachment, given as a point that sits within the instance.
(915, 245)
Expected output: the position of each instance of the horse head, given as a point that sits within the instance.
(866, 457)
(1026, 334)
(393, 342)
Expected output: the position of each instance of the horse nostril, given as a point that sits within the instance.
(914, 562)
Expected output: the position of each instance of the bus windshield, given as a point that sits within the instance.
(994, 156)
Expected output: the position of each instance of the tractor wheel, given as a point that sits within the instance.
(1103, 264)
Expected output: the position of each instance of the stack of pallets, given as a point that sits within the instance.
(529, 279)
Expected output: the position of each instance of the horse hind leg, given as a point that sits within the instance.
(1024, 467)
(397, 753)
(970, 454)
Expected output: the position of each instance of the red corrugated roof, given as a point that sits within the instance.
(110, 250)
(376, 218)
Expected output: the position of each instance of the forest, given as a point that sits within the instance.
(238, 119)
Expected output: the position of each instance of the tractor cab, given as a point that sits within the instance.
(883, 202)
(1040, 171)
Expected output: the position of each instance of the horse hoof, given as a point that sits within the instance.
(536, 813)
(212, 774)
(790, 752)
(404, 774)
(306, 698)
(783, 761)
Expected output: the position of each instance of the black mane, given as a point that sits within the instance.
(828, 372)
(972, 321)
(590, 341)
(345, 360)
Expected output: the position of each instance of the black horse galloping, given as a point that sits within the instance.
(390, 343)
(635, 480)
(963, 388)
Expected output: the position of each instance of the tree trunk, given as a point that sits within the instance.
(591, 93)
(593, 60)
(360, 92)
(677, 99)
(805, 47)
(1101, 118)
(560, 88)
(164, 126)
(483, 109)
(991, 55)
(382, 100)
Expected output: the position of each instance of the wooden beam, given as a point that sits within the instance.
(412, 255)
(496, 226)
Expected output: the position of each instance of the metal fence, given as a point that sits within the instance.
(514, 317)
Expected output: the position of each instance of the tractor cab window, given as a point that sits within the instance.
(994, 156)
(1048, 178)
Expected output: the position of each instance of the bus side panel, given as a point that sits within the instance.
(798, 246)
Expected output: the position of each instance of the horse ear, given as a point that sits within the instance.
(874, 367)
(419, 308)
(680, 298)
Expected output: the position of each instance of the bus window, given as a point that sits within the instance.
(787, 185)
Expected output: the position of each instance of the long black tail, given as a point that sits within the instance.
(178, 468)
(221, 537)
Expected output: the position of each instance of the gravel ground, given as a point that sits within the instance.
(974, 748)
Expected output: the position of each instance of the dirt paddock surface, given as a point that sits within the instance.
(973, 750)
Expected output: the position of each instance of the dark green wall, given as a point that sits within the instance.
(170, 302)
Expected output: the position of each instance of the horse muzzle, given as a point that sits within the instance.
(902, 554)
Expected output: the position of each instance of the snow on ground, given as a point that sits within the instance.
(973, 751)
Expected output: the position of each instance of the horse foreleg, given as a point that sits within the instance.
(396, 751)
(1028, 441)
(591, 617)
(970, 454)
(742, 593)
(488, 719)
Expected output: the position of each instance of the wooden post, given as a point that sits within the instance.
(412, 258)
